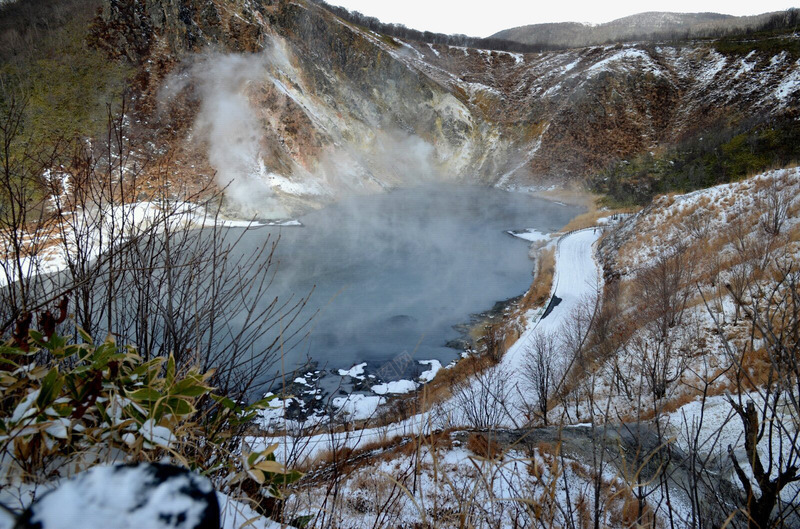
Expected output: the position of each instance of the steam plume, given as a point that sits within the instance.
(228, 124)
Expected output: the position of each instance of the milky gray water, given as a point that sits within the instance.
(392, 274)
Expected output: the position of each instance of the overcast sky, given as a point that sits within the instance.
(485, 17)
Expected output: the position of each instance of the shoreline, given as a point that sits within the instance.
(421, 412)
(571, 195)
(497, 328)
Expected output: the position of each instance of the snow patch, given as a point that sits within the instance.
(530, 235)
(789, 85)
(236, 515)
(717, 63)
(429, 375)
(642, 59)
(357, 371)
(358, 407)
(157, 435)
(396, 386)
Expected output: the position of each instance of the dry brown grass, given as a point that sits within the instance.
(758, 367)
(580, 197)
(583, 506)
(589, 219)
(347, 460)
(625, 512)
(539, 292)
(432, 442)
(794, 232)
(439, 388)
(575, 196)
(679, 401)
(482, 445)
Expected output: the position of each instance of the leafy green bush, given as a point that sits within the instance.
(88, 394)
(84, 403)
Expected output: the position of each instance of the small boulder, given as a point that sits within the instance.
(146, 495)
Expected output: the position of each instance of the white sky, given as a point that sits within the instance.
(481, 18)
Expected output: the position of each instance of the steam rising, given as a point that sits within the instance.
(228, 124)
(390, 158)
(394, 272)
(368, 149)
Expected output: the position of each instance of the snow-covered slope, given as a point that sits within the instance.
(613, 383)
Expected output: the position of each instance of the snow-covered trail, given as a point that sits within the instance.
(576, 277)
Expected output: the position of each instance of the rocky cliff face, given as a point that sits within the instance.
(338, 107)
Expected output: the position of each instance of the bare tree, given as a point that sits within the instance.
(541, 371)
(768, 404)
(771, 415)
(24, 219)
(482, 399)
(665, 287)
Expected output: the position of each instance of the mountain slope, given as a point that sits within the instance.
(316, 106)
(643, 26)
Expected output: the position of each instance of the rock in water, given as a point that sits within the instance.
(152, 496)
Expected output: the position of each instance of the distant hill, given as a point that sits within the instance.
(644, 26)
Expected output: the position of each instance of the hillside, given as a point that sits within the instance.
(656, 392)
(640, 27)
(331, 105)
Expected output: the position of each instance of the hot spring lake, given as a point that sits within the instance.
(392, 274)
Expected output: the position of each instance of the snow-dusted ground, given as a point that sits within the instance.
(235, 514)
(704, 215)
(530, 235)
(576, 278)
(696, 218)
(395, 386)
(723, 230)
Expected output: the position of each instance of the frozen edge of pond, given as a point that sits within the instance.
(577, 276)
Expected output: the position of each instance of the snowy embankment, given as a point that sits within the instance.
(97, 230)
(577, 277)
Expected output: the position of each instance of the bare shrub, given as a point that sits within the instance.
(775, 205)
(771, 417)
(137, 266)
(665, 287)
(698, 223)
(769, 406)
(482, 399)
